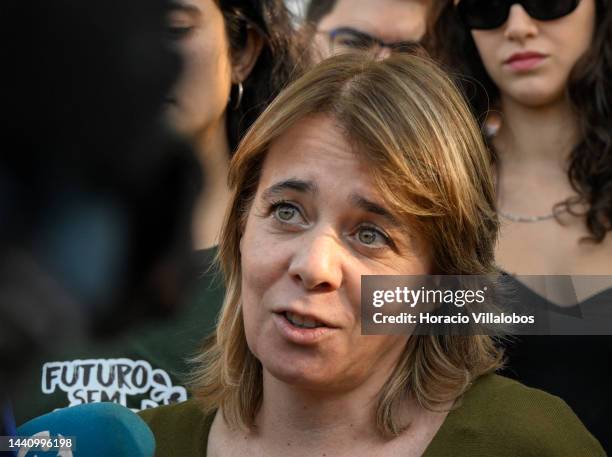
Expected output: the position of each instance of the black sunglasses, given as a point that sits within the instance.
(490, 14)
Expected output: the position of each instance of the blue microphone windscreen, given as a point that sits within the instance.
(100, 429)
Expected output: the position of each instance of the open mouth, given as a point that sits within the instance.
(302, 322)
(301, 329)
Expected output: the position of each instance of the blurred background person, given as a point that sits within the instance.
(237, 54)
(338, 26)
(364, 166)
(96, 193)
(538, 78)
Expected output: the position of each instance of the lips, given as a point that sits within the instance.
(304, 320)
(524, 60)
(299, 334)
(302, 327)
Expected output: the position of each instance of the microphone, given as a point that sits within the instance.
(7, 425)
(96, 429)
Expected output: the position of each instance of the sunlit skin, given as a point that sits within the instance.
(560, 42)
(537, 133)
(316, 224)
(388, 20)
(310, 235)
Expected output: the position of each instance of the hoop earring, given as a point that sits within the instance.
(240, 94)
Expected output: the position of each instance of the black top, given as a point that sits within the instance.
(576, 368)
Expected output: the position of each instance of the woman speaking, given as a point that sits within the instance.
(361, 167)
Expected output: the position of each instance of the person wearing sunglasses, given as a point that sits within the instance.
(341, 26)
(538, 76)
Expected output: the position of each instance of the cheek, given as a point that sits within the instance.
(375, 355)
(582, 31)
(253, 311)
(204, 86)
(263, 266)
(574, 44)
(488, 43)
(207, 74)
(255, 282)
(263, 261)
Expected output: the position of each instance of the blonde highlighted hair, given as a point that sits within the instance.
(407, 120)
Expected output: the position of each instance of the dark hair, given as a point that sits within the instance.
(277, 64)
(589, 90)
(317, 9)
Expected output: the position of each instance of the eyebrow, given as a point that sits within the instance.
(303, 186)
(182, 5)
(371, 207)
(298, 185)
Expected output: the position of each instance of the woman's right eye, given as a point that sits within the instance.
(287, 213)
(178, 32)
(178, 24)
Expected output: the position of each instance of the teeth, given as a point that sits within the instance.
(309, 323)
(295, 319)
(298, 321)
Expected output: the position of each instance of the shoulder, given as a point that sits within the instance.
(179, 429)
(183, 413)
(503, 415)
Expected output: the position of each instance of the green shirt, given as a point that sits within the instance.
(497, 417)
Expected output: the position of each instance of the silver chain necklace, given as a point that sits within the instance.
(519, 218)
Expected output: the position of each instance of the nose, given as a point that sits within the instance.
(519, 26)
(317, 263)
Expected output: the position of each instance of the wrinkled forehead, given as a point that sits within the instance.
(317, 157)
(317, 148)
(317, 160)
(387, 20)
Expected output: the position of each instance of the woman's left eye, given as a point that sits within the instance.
(372, 237)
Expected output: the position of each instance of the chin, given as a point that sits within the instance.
(536, 95)
(174, 117)
(298, 379)
(297, 373)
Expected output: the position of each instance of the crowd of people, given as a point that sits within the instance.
(387, 137)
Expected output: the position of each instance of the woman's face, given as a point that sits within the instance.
(198, 101)
(530, 60)
(316, 224)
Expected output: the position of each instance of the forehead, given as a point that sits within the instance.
(389, 20)
(317, 150)
(195, 6)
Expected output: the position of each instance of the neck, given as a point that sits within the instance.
(533, 146)
(330, 422)
(536, 135)
(214, 155)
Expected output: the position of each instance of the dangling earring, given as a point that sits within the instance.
(239, 99)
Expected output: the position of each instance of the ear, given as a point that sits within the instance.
(244, 60)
